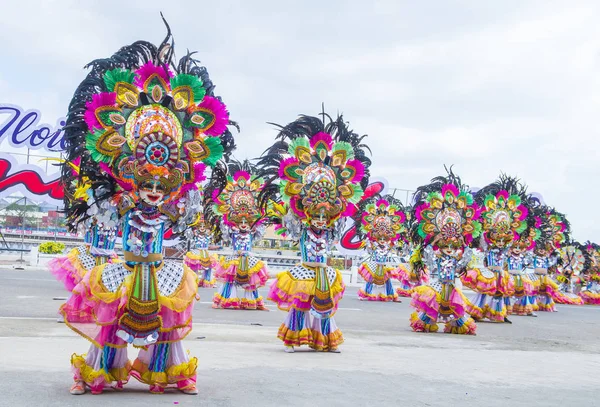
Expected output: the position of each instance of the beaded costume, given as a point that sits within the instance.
(590, 292)
(504, 219)
(154, 128)
(573, 259)
(446, 221)
(319, 171)
(383, 223)
(199, 259)
(240, 274)
(555, 233)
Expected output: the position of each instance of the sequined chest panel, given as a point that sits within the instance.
(201, 242)
(314, 246)
(241, 243)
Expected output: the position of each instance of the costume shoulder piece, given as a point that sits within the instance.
(445, 213)
(317, 168)
(147, 121)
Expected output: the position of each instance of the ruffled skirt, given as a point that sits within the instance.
(240, 278)
(202, 263)
(378, 286)
(440, 303)
(107, 289)
(296, 292)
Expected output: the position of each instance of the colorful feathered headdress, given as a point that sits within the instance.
(504, 214)
(382, 218)
(139, 116)
(318, 169)
(238, 201)
(445, 213)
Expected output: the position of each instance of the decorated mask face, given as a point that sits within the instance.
(152, 192)
(320, 222)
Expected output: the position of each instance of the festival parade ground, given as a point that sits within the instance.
(552, 360)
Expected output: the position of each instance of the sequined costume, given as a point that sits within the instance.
(199, 259)
(316, 172)
(383, 223)
(590, 292)
(504, 218)
(240, 274)
(446, 221)
(147, 130)
(573, 260)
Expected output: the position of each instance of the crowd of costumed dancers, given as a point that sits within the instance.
(149, 155)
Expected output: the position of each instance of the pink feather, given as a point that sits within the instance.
(98, 100)
(241, 174)
(360, 170)
(450, 188)
(219, 110)
(147, 70)
(321, 136)
(284, 163)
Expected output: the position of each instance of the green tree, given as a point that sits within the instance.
(22, 212)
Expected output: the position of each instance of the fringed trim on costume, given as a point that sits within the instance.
(478, 282)
(313, 338)
(402, 292)
(522, 310)
(461, 326)
(486, 312)
(377, 297)
(289, 293)
(563, 298)
(545, 305)
(202, 283)
(172, 375)
(93, 377)
(590, 298)
(238, 303)
(418, 325)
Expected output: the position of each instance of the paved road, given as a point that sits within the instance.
(552, 360)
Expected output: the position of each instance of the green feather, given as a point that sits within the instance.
(347, 147)
(476, 228)
(216, 151)
(358, 193)
(112, 77)
(90, 144)
(192, 81)
(300, 141)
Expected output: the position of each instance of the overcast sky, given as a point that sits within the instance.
(488, 86)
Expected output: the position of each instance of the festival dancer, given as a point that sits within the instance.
(519, 257)
(590, 293)
(412, 274)
(154, 128)
(572, 261)
(555, 233)
(199, 259)
(446, 222)
(318, 169)
(504, 219)
(240, 220)
(383, 222)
